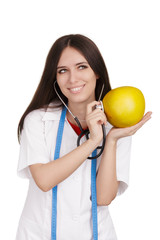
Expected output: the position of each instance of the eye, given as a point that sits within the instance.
(62, 71)
(82, 67)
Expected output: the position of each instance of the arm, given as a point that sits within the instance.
(50, 174)
(107, 184)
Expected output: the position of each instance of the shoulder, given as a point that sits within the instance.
(39, 116)
(33, 125)
(34, 116)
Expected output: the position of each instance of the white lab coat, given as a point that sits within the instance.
(74, 220)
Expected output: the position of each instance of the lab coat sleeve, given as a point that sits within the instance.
(123, 163)
(32, 145)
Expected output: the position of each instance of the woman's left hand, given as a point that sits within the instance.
(117, 133)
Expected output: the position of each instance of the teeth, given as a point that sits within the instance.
(75, 89)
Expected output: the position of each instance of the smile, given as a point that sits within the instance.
(76, 89)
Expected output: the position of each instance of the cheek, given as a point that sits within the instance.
(89, 77)
(61, 85)
(93, 79)
(61, 80)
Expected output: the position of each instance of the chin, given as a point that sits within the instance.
(81, 100)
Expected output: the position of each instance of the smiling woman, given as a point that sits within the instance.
(90, 54)
(69, 195)
(76, 81)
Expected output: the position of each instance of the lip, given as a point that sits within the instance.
(78, 90)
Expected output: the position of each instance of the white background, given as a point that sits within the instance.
(127, 34)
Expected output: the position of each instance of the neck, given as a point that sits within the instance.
(78, 110)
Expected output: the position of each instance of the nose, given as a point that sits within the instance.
(72, 76)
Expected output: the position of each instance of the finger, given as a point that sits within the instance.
(147, 116)
(137, 126)
(90, 106)
(97, 112)
(97, 118)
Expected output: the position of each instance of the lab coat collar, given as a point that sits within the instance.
(52, 113)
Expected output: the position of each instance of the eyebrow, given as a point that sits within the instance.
(75, 65)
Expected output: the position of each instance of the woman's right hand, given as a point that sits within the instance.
(94, 119)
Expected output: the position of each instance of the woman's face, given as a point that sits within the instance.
(75, 77)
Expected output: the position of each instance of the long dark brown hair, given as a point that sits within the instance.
(45, 92)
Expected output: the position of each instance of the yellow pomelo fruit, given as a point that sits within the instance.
(124, 106)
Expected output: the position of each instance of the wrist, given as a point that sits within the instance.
(93, 143)
(111, 140)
